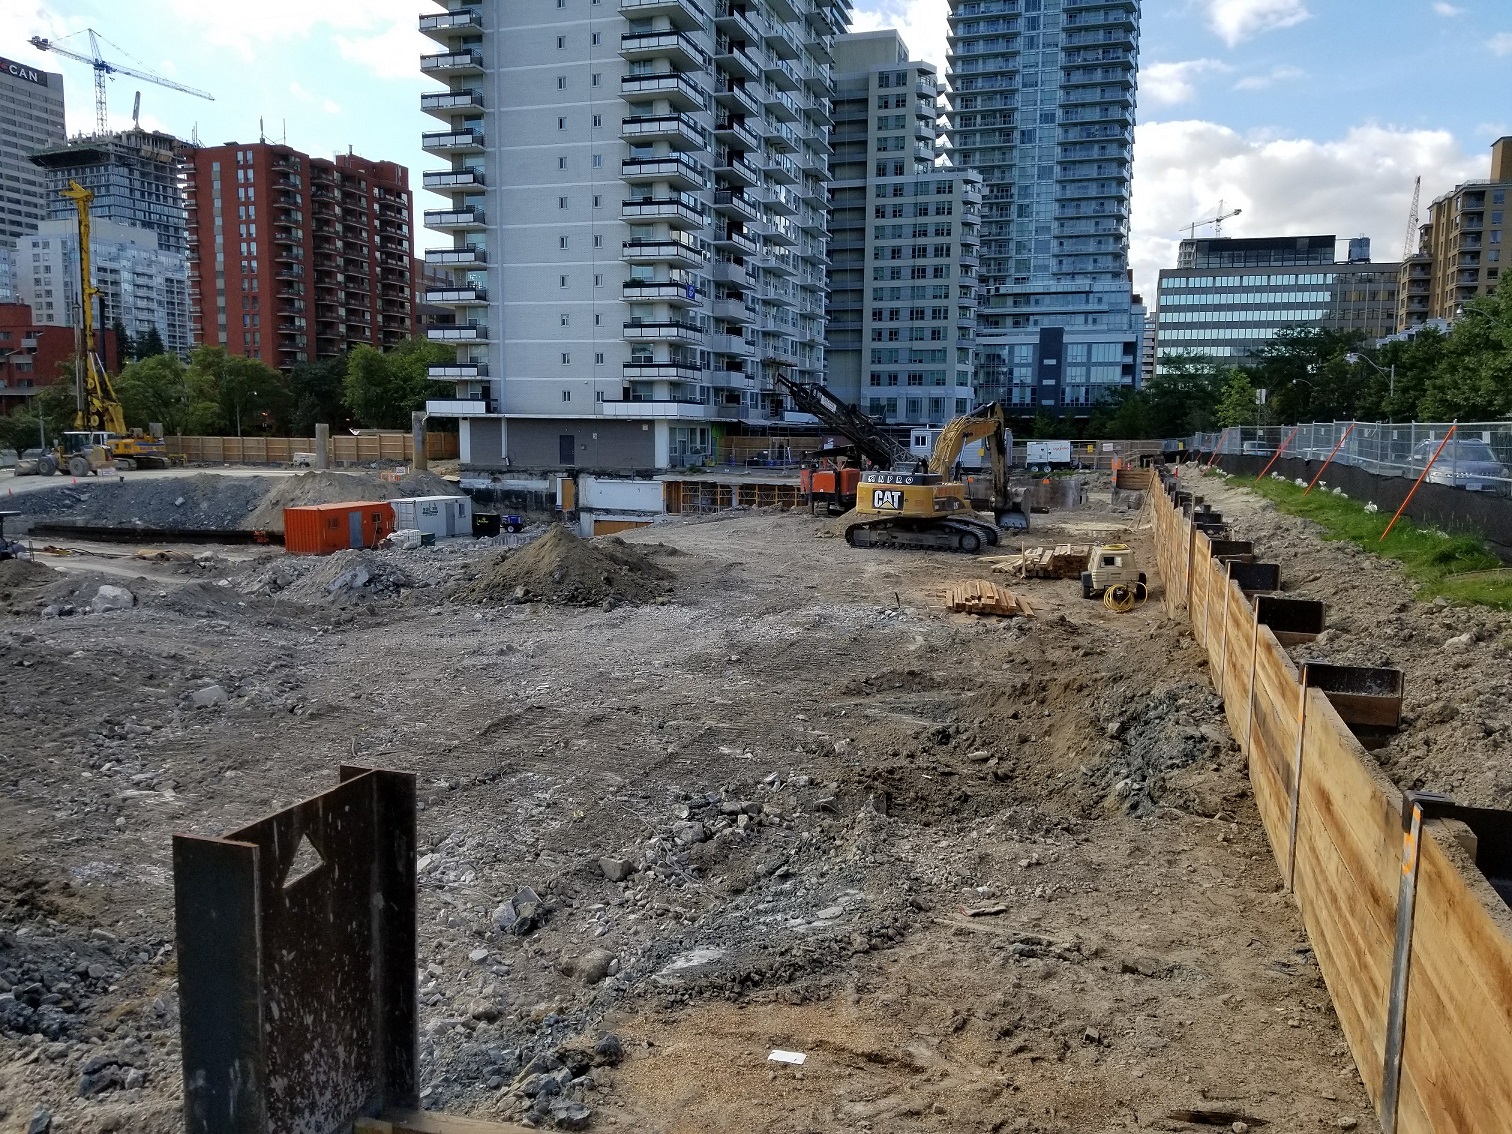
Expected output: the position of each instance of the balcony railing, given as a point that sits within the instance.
(453, 218)
(462, 19)
(659, 251)
(675, 169)
(432, 101)
(456, 255)
(664, 45)
(457, 334)
(664, 332)
(670, 127)
(453, 178)
(681, 209)
(680, 91)
(453, 141)
(684, 15)
(454, 370)
(467, 61)
(459, 407)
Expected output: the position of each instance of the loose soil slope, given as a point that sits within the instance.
(562, 568)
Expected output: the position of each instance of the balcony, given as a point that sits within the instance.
(452, 371)
(681, 92)
(731, 272)
(736, 204)
(453, 142)
(733, 132)
(737, 169)
(680, 49)
(460, 295)
(737, 61)
(678, 252)
(452, 179)
(734, 311)
(664, 291)
(471, 333)
(443, 104)
(664, 332)
(661, 371)
(735, 97)
(685, 16)
(782, 167)
(459, 257)
(458, 407)
(444, 26)
(678, 129)
(735, 24)
(468, 61)
(737, 242)
(443, 219)
(681, 211)
(676, 170)
(731, 344)
(655, 408)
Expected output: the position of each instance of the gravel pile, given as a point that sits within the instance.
(562, 568)
(325, 487)
(201, 501)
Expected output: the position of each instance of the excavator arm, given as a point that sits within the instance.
(985, 423)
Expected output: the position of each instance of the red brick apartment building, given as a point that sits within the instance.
(294, 258)
(31, 355)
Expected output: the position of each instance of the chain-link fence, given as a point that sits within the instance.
(1477, 459)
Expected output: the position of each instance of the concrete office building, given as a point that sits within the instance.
(635, 196)
(136, 177)
(141, 286)
(903, 241)
(31, 119)
(1042, 100)
(1459, 249)
(294, 258)
(1232, 296)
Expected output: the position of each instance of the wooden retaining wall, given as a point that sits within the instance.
(1346, 864)
(367, 448)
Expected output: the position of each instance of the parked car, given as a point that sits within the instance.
(1471, 465)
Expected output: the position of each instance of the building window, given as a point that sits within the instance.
(561, 163)
(566, 395)
(598, 161)
(561, 202)
(598, 281)
(561, 242)
(561, 123)
(561, 39)
(566, 358)
(598, 358)
(561, 281)
(598, 241)
(564, 319)
(598, 202)
(598, 120)
(596, 77)
(561, 82)
(598, 320)
(597, 38)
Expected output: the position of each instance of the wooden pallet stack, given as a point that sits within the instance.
(977, 596)
(1064, 561)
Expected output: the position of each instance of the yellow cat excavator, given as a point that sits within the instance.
(927, 508)
(99, 439)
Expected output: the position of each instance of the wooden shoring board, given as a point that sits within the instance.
(1349, 846)
(1197, 606)
(1457, 1043)
(1216, 612)
(1237, 658)
(1273, 739)
(979, 596)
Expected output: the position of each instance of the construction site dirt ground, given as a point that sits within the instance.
(985, 874)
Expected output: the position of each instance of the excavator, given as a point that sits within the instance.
(903, 505)
(99, 440)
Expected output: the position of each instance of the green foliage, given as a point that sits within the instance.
(383, 390)
(234, 391)
(1441, 564)
(1237, 405)
(318, 389)
(123, 341)
(149, 344)
(1122, 415)
(1473, 380)
(1184, 398)
(54, 408)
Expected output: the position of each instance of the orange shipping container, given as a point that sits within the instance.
(321, 529)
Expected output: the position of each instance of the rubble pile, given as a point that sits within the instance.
(562, 568)
(205, 500)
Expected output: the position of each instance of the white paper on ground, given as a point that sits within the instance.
(795, 1057)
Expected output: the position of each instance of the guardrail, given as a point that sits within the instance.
(1404, 897)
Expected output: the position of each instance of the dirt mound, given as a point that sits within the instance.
(24, 585)
(346, 577)
(561, 568)
(326, 487)
(205, 500)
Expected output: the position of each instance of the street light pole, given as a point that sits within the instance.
(1353, 359)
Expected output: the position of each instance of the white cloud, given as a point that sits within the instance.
(391, 54)
(1275, 75)
(921, 23)
(1444, 9)
(1360, 183)
(1166, 84)
(1238, 20)
(376, 33)
(1501, 43)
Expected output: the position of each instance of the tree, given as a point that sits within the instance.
(1182, 396)
(317, 388)
(123, 341)
(155, 389)
(383, 390)
(1306, 375)
(1121, 414)
(1473, 378)
(50, 412)
(149, 344)
(1237, 405)
(237, 392)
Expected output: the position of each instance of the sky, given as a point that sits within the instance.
(1310, 116)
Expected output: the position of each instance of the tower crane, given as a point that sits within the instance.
(1216, 222)
(103, 68)
(1410, 245)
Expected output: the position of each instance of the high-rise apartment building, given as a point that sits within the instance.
(141, 286)
(1042, 102)
(1459, 250)
(1231, 297)
(903, 241)
(635, 198)
(31, 119)
(136, 177)
(294, 258)
(35, 355)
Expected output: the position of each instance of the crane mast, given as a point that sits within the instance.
(1409, 246)
(98, 409)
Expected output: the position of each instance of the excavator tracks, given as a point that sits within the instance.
(967, 536)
